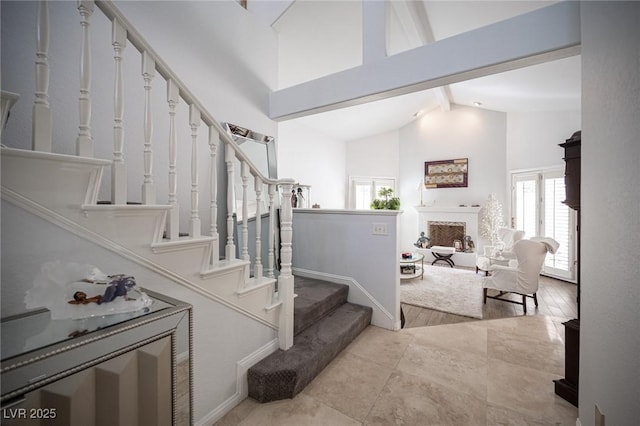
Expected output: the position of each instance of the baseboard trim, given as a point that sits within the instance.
(242, 390)
(381, 316)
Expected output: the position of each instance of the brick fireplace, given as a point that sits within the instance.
(445, 233)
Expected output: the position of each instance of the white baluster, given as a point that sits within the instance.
(272, 225)
(84, 142)
(148, 187)
(213, 190)
(118, 169)
(194, 221)
(173, 222)
(229, 156)
(245, 211)
(285, 280)
(41, 113)
(257, 267)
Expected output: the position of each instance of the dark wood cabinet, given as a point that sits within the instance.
(572, 170)
(567, 388)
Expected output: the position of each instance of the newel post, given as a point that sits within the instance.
(285, 280)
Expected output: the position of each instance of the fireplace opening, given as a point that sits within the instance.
(445, 233)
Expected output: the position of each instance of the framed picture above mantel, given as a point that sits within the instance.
(446, 173)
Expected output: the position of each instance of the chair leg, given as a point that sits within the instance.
(485, 295)
(535, 299)
(524, 303)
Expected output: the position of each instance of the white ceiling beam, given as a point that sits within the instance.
(545, 34)
(415, 21)
(408, 25)
(269, 11)
(374, 46)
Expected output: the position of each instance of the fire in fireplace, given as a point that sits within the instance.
(445, 233)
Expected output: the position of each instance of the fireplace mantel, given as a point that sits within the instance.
(469, 215)
(447, 209)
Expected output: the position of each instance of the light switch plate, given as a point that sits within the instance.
(380, 229)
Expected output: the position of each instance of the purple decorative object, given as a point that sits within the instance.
(118, 286)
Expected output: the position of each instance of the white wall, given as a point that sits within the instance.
(376, 156)
(610, 203)
(533, 138)
(221, 51)
(463, 132)
(313, 159)
(313, 42)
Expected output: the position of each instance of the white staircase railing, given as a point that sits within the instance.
(152, 63)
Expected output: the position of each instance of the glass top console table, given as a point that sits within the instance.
(129, 359)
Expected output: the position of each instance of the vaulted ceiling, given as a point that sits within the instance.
(317, 38)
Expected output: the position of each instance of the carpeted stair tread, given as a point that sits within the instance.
(315, 299)
(283, 374)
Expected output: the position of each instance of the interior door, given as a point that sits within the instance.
(559, 223)
(537, 209)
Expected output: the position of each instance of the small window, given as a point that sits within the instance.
(363, 190)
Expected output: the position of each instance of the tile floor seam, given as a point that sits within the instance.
(394, 369)
(375, 401)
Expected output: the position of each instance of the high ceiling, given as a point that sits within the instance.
(322, 37)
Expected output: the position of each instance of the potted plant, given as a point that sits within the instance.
(386, 201)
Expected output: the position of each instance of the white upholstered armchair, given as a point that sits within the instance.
(508, 237)
(523, 278)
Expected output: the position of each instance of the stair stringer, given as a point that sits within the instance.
(69, 185)
(39, 176)
(184, 262)
(134, 226)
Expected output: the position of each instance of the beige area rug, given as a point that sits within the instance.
(456, 291)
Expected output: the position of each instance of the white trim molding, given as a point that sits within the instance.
(242, 389)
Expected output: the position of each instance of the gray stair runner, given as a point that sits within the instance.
(324, 324)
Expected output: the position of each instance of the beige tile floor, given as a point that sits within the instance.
(497, 372)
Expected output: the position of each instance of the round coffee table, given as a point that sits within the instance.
(409, 268)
